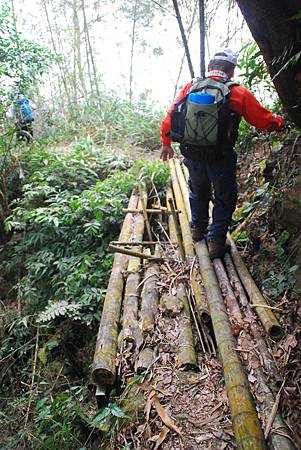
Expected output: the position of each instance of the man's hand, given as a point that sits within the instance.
(166, 152)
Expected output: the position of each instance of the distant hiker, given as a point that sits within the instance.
(21, 112)
(205, 118)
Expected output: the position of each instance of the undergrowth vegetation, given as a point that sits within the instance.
(64, 212)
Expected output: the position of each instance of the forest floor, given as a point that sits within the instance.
(194, 403)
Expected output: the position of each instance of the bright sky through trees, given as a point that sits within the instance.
(158, 50)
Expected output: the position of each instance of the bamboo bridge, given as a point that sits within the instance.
(218, 308)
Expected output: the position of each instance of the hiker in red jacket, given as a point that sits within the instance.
(209, 149)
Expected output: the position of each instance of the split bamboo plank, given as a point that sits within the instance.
(267, 317)
(104, 363)
(246, 425)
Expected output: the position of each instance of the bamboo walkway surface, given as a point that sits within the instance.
(178, 331)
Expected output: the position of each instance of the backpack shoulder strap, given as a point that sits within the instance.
(231, 83)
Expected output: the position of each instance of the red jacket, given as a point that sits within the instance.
(242, 101)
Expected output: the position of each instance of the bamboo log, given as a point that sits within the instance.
(183, 187)
(149, 299)
(131, 330)
(279, 437)
(145, 360)
(231, 302)
(246, 425)
(143, 205)
(149, 211)
(174, 227)
(266, 316)
(104, 363)
(139, 244)
(188, 243)
(125, 251)
(186, 352)
(261, 346)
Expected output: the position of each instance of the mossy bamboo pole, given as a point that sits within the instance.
(183, 187)
(279, 436)
(145, 359)
(104, 363)
(149, 299)
(126, 251)
(230, 299)
(186, 234)
(187, 241)
(174, 226)
(143, 205)
(255, 329)
(186, 352)
(266, 316)
(246, 425)
(131, 330)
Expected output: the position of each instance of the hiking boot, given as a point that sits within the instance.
(217, 249)
(197, 233)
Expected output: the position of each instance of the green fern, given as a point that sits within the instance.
(56, 309)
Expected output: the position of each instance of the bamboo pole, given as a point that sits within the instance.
(149, 211)
(279, 435)
(145, 359)
(131, 330)
(246, 425)
(231, 302)
(266, 316)
(149, 299)
(188, 243)
(186, 351)
(174, 226)
(104, 363)
(262, 348)
(125, 251)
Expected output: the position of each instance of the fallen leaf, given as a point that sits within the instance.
(165, 417)
(161, 437)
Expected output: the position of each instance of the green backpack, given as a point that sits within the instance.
(204, 124)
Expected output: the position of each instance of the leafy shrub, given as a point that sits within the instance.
(68, 218)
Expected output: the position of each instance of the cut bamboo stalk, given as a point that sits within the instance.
(149, 299)
(187, 241)
(266, 316)
(235, 281)
(246, 425)
(279, 437)
(145, 360)
(231, 302)
(104, 363)
(131, 330)
(183, 187)
(262, 348)
(186, 352)
(149, 211)
(139, 244)
(125, 251)
(174, 226)
(143, 200)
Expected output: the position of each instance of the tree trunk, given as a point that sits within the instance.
(278, 36)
